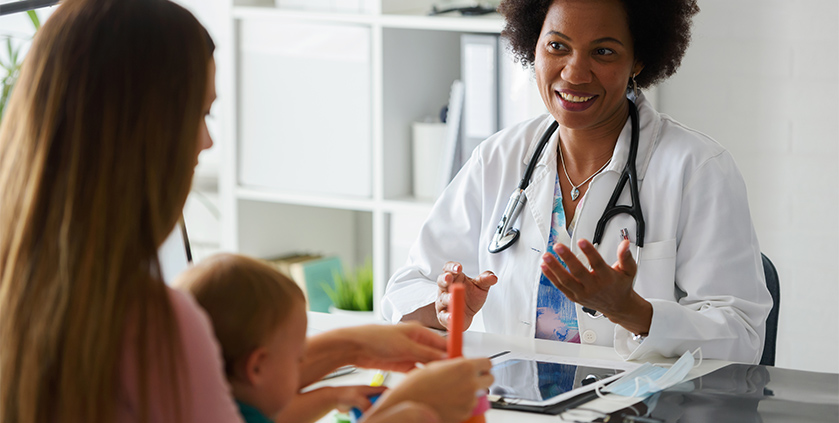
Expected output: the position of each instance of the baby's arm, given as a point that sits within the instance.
(313, 405)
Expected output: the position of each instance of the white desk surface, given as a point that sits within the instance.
(479, 344)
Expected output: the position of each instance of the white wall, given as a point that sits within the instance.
(762, 78)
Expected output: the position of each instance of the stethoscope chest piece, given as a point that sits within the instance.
(500, 242)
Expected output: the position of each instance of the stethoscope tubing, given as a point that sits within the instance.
(505, 235)
(627, 175)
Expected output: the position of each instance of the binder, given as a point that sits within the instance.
(479, 71)
(452, 157)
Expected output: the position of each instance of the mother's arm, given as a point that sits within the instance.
(388, 347)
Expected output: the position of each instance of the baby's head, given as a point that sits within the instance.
(259, 318)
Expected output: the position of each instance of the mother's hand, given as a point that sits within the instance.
(396, 347)
(476, 292)
(605, 288)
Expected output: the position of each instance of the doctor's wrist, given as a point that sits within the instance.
(637, 317)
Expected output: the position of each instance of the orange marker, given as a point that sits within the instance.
(457, 313)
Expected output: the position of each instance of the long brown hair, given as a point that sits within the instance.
(97, 150)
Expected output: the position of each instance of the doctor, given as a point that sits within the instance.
(698, 280)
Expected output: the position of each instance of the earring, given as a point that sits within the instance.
(634, 85)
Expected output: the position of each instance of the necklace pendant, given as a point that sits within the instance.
(574, 194)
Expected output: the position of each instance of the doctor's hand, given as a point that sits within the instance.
(605, 288)
(476, 292)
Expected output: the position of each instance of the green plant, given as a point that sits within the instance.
(11, 66)
(353, 290)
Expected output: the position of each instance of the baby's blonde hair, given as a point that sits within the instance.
(247, 300)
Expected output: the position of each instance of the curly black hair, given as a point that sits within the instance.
(660, 32)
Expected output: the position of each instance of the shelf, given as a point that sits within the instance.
(492, 23)
(397, 205)
(262, 12)
(407, 204)
(293, 198)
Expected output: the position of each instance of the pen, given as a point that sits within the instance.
(494, 356)
(625, 234)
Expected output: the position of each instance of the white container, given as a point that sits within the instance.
(428, 140)
(305, 108)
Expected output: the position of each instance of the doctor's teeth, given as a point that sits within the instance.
(573, 98)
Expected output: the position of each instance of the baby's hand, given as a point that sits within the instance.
(313, 405)
(349, 397)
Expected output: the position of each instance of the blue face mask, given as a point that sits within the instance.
(649, 379)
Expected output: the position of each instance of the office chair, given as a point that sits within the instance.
(768, 357)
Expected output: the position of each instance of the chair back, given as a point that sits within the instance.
(768, 358)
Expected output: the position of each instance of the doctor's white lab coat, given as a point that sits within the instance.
(700, 266)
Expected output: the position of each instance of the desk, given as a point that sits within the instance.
(478, 344)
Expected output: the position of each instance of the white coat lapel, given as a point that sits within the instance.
(541, 189)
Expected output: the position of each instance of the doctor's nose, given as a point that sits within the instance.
(577, 70)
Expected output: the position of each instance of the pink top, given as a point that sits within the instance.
(206, 394)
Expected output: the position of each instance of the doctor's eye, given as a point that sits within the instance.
(556, 45)
(603, 51)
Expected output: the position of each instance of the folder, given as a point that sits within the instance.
(479, 72)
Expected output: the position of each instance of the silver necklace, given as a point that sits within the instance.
(575, 191)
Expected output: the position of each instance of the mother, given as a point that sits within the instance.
(699, 279)
(97, 152)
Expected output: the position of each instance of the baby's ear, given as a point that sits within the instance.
(254, 372)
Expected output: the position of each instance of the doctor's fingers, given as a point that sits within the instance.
(572, 263)
(445, 279)
(453, 267)
(559, 276)
(485, 280)
(626, 263)
(441, 306)
(595, 260)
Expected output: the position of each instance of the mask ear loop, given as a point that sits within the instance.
(698, 350)
(637, 381)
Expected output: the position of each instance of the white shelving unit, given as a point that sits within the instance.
(413, 60)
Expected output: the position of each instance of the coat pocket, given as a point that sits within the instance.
(656, 276)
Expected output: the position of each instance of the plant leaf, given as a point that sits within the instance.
(34, 18)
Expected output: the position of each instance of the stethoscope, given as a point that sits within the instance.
(505, 235)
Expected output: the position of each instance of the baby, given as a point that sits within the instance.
(259, 318)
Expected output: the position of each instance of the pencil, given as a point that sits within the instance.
(457, 313)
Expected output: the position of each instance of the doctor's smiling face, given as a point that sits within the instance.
(583, 61)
